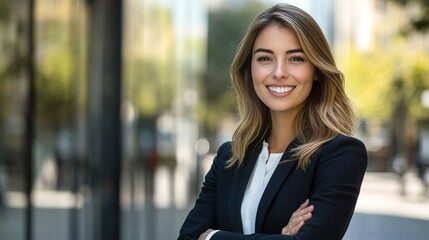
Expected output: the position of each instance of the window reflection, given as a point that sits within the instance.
(164, 59)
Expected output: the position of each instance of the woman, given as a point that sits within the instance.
(292, 169)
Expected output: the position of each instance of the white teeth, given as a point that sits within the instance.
(280, 89)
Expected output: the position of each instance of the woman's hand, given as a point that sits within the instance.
(205, 234)
(299, 217)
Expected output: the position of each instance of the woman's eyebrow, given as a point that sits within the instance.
(294, 51)
(263, 50)
(270, 51)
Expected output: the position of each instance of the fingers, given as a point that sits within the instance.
(204, 235)
(304, 205)
(303, 213)
(298, 218)
(293, 230)
(301, 218)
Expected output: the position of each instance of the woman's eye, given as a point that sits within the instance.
(296, 59)
(263, 59)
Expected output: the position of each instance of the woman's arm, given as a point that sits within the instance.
(340, 168)
(299, 217)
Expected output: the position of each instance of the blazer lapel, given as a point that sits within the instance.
(279, 176)
(239, 184)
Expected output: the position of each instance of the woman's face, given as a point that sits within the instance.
(281, 72)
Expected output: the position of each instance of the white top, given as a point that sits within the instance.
(259, 179)
(261, 175)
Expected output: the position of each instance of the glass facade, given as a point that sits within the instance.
(43, 118)
(163, 60)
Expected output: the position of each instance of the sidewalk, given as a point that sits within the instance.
(382, 212)
(381, 194)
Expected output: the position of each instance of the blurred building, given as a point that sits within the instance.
(98, 117)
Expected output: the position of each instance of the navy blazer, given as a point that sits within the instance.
(331, 182)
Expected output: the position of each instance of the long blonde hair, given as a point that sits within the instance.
(327, 111)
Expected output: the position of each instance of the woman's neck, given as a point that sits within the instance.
(281, 133)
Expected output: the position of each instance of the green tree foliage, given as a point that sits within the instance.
(367, 83)
(58, 62)
(4, 10)
(392, 72)
(7, 63)
(227, 26)
(417, 76)
(149, 60)
(373, 87)
(54, 89)
(419, 22)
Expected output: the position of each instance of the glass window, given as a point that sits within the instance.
(164, 60)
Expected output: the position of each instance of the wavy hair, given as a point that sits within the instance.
(327, 111)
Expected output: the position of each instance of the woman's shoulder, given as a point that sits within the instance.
(225, 147)
(224, 152)
(345, 141)
(343, 147)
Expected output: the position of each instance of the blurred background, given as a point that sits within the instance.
(111, 111)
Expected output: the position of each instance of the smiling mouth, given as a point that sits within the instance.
(280, 89)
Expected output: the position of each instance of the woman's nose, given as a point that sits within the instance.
(280, 71)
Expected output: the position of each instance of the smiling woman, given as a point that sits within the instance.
(292, 169)
(281, 73)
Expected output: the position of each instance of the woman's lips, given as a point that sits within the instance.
(280, 90)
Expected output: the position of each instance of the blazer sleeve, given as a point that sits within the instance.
(339, 167)
(203, 214)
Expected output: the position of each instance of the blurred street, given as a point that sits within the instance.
(382, 212)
